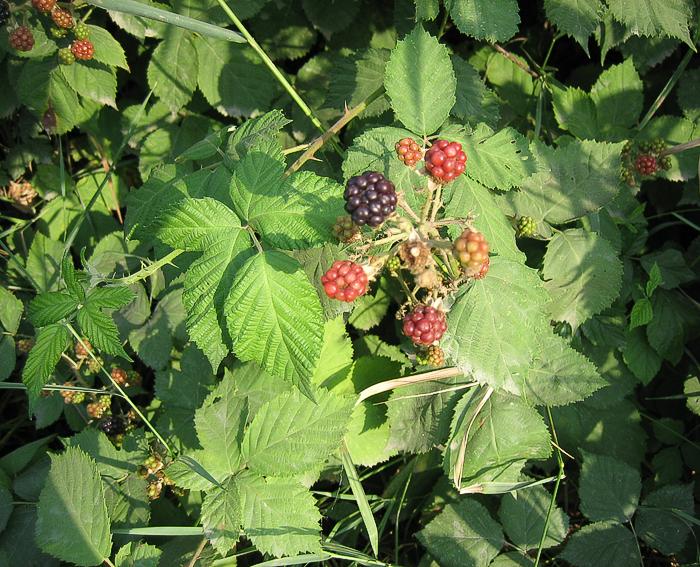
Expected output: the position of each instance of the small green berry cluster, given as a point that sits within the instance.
(393, 265)
(526, 227)
(152, 471)
(72, 396)
(643, 159)
(344, 229)
(100, 407)
(432, 356)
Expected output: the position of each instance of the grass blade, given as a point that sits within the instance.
(361, 497)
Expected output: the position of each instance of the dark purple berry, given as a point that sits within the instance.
(370, 198)
(113, 425)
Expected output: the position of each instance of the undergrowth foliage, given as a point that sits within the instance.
(330, 281)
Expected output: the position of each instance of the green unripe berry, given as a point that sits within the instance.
(526, 226)
(65, 56)
(393, 265)
(81, 31)
(59, 33)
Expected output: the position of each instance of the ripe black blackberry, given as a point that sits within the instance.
(113, 425)
(370, 198)
(4, 12)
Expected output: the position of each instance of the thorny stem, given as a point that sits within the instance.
(198, 552)
(146, 271)
(401, 202)
(680, 148)
(348, 115)
(437, 202)
(508, 55)
(406, 290)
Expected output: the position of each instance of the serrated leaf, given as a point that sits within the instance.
(618, 97)
(72, 280)
(98, 447)
(101, 330)
(353, 79)
(5, 507)
(658, 525)
(485, 19)
(110, 297)
(609, 488)
(44, 261)
(466, 197)
(336, 358)
(50, 307)
(420, 82)
(51, 341)
(107, 49)
(578, 178)
(279, 516)
(559, 375)
(575, 112)
(254, 132)
(92, 80)
(492, 326)
(275, 318)
(368, 434)
(666, 331)
(691, 389)
(671, 268)
(650, 18)
(137, 554)
(172, 71)
(11, 310)
(523, 515)
(291, 435)
(602, 543)
(688, 94)
(232, 78)
(474, 101)
(640, 357)
(642, 312)
(583, 274)
(330, 16)
(576, 18)
(222, 516)
(288, 212)
(220, 431)
(463, 535)
(194, 224)
(72, 522)
(369, 310)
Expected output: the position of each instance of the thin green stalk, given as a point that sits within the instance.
(120, 390)
(362, 502)
(636, 541)
(560, 475)
(147, 271)
(398, 516)
(666, 90)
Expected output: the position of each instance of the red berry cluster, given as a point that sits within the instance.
(445, 160)
(62, 18)
(22, 39)
(472, 251)
(646, 164)
(409, 151)
(44, 5)
(82, 49)
(345, 281)
(424, 325)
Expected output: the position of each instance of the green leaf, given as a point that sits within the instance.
(676, 130)
(467, 197)
(8, 356)
(427, 9)
(5, 507)
(420, 82)
(672, 269)
(51, 341)
(655, 279)
(172, 71)
(602, 543)
(193, 224)
(50, 307)
(279, 516)
(110, 297)
(512, 559)
(582, 175)
(666, 331)
(369, 310)
(354, 79)
(474, 101)
(256, 133)
(368, 435)
(107, 49)
(642, 312)
(523, 515)
(575, 112)
(291, 435)
(336, 360)
(691, 389)
(92, 80)
(485, 19)
(64, 101)
(559, 374)
(222, 516)
(44, 261)
(688, 94)
(290, 213)
(618, 97)
(576, 18)
(640, 357)
(11, 310)
(646, 17)
(232, 78)
(72, 521)
(220, 424)
(330, 16)
(463, 535)
(501, 315)
(101, 330)
(657, 523)
(583, 275)
(275, 318)
(137, 554)
(110, 462)
(609, 488)
(505, 434)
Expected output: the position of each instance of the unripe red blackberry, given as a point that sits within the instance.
(65, 56)
(424, 325)
(370, 198)
(409, 151)
(4, 12)
(81, 31)
(95, 410)
(526, 226)
(44, 5)
(82, 352)
(344, 281)
(22, 39)
(472, 251)
(62, 18)
(120, 376)
(344, 229)
(433, 356)
(646, 164)
(82, 49)
(445, 160)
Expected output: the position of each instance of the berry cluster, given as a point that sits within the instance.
(65, 56)
(22, 193)
(82, 49)
(345, 281)
(125, 378)
(113, 425)
(526, 226)
(424, 325)
(445, 160)
(432, 356)
(472, 251)
(645, 164)
(81, 31)
(100, 407)
(44, 5)
(4, 12)
(72, 396)
(393, 265)
(344, 229)
(409, 151)
(152, 471)
(370, 198)
(22, 39)
(645, 159)
(62, 18)
(82, 352)
(24, 346)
